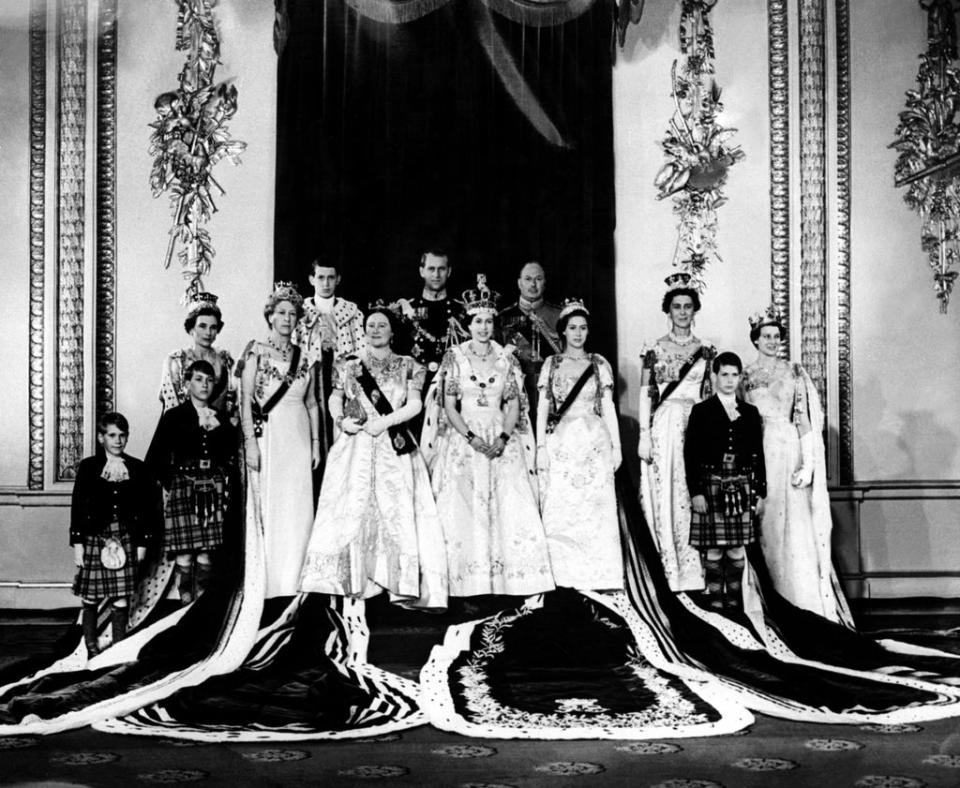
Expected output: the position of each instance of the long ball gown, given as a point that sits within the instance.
(681, 379)
(285, 478)
(796, 524)
(376, 527)
(488, 508)
(578, 499)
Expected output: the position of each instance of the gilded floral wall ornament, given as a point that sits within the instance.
(698, 148)
(928, 144)
(190, 136)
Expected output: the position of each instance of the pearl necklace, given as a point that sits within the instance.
(681, 341)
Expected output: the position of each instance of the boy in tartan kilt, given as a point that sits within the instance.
(194, 455)
(726, 476)
(114, 518)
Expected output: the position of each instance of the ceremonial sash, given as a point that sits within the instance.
(261, 412)
(400, 437)
(553, 418)
(684, 371)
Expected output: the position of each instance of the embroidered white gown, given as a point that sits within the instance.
(796, 525)
(577, 495)
(376, 526)
(663, 481)
(286, 486)
(488, 508)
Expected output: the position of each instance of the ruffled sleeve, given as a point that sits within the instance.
(510, 389)
(605, 373)
(544, 381)
(648, 355)
(450, 370)
(416, 374)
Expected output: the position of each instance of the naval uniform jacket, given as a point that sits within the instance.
(96, 502)
(711, 436)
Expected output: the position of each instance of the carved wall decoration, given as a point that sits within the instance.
(190, 136)
(698, 149)
(38, 159)
(779, 86)
(106, 190)
(928, 147)
(844, 359)
(71, 130)
(813, 243)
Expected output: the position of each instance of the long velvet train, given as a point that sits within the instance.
(790, 664)
(636, 664)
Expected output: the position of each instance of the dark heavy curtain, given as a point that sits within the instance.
(461, 129)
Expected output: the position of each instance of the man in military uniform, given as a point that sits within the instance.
(531, 325)
(437, 319)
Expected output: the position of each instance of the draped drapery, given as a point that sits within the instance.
(480, 126)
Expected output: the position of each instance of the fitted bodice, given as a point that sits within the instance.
(482, 388)
(667, 366)
(773, 393)
(563, 377)
(270, 375)
(394, 378)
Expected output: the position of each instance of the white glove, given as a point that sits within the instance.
(803, 476)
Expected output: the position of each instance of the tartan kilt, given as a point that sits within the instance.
(183, 529)
(718, 527)
(94, 581)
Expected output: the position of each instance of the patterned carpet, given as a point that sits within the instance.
(772, 752)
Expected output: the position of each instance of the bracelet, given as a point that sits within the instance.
(504, 437)
(470, 435)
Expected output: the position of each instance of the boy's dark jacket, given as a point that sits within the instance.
(135, 503)
(180, 441)
(710, 434)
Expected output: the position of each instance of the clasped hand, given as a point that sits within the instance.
(489, 450)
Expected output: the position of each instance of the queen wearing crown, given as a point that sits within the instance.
(203, 323)
(482, 465)
(280, 423)
(376, 527)
(578, 450)
(796, 526)
(675, 376)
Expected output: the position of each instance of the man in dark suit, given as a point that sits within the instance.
(726, 476)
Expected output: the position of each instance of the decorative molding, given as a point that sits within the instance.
(813, 244)
(845, 362)
(106, 208)
(38, 163)
(71, 131)
(779, 87)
